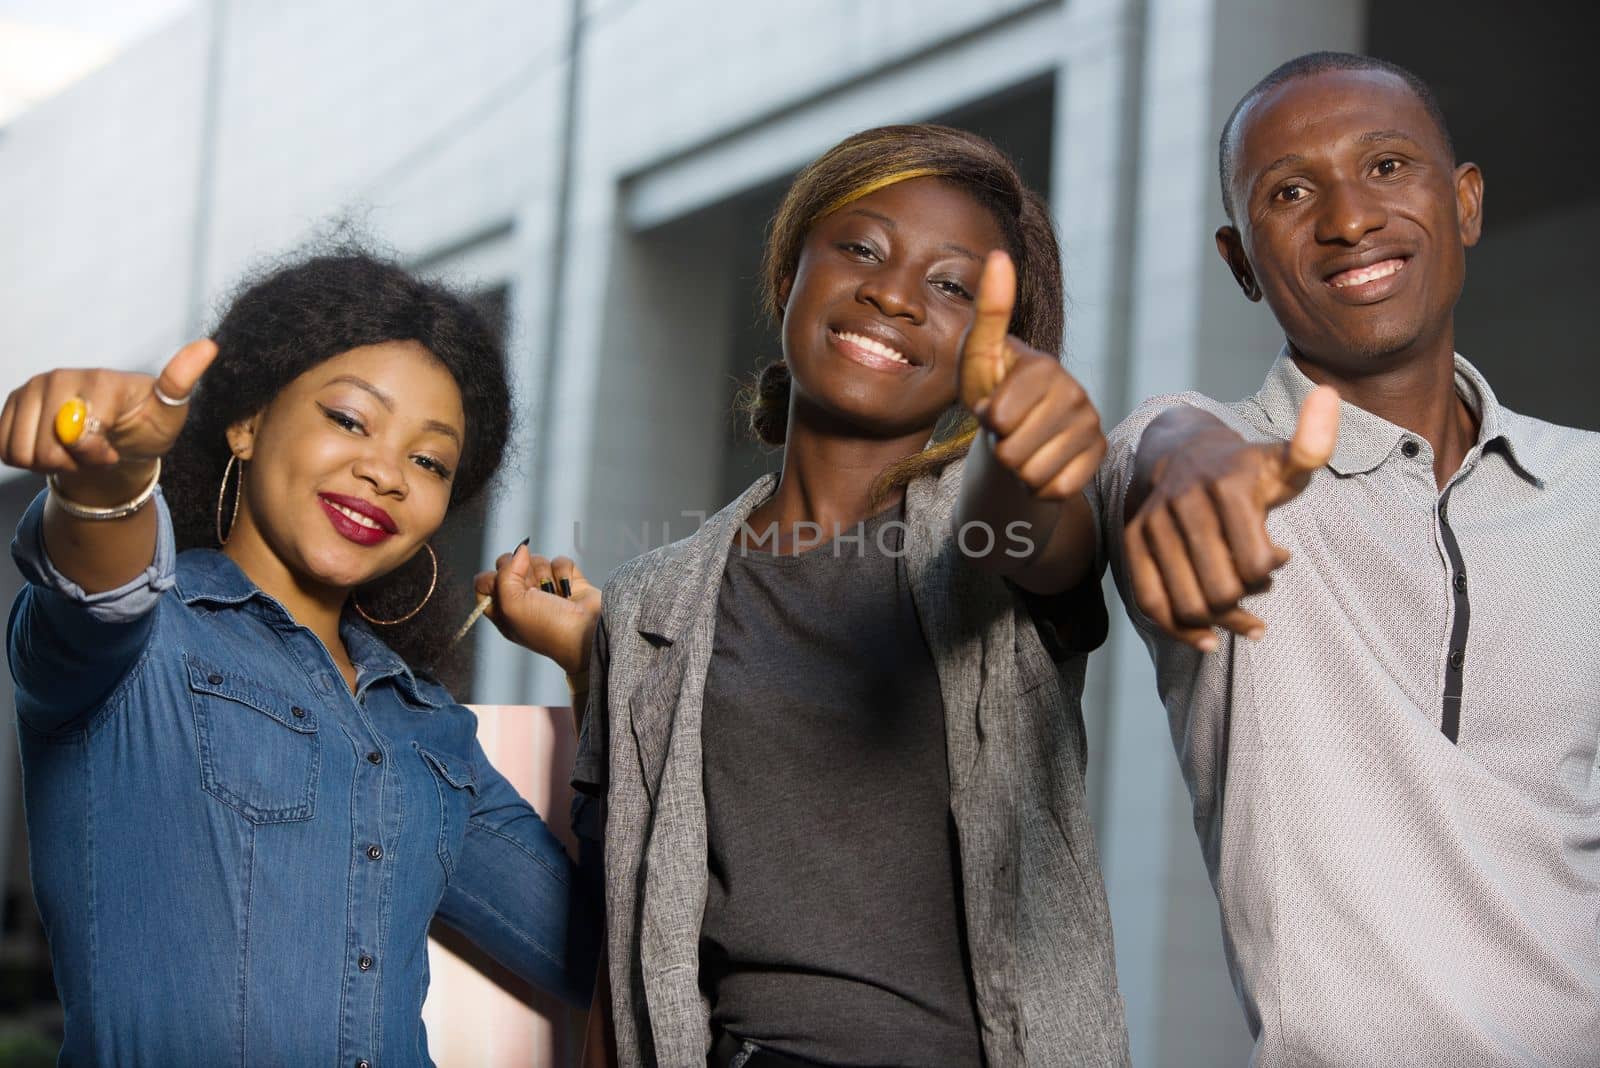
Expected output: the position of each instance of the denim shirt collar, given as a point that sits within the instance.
(1367, 440)
(208, 577)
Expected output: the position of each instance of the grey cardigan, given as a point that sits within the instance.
(1038, 928)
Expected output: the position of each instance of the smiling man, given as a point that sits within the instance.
(1371, 609)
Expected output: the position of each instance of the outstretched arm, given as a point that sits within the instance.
(99, 434)
(1022, 512)
(97, 549)
(1195, 537)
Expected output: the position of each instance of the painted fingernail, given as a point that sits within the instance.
(547, 586)
(566, 587)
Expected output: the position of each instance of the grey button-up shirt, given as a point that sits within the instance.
(1397, 790)
(1037, 926)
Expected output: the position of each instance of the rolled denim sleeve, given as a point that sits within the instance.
(518, 895)
(68, 648)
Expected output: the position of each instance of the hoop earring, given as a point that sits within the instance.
(222, 493)
(432, 582)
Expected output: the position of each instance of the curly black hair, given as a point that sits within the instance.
(296, 314)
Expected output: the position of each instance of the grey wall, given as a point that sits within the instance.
(1525, 315)
(1516, 92)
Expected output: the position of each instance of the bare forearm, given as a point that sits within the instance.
(1043, 545)
(996, 512)
(101, 554)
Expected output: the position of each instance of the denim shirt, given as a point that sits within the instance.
(235, 857)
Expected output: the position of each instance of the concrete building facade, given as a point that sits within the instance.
(602, 170)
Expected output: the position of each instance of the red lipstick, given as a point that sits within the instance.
(368, 525)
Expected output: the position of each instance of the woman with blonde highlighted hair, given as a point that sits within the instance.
(834, 748)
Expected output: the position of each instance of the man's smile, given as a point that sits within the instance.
(1357, 282)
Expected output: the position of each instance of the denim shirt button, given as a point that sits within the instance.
(214, 679)
(375, 851)
(297, 712)
(365, 963)
(363, 1064)
(375, 757)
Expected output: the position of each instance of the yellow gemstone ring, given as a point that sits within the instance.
(74, 420)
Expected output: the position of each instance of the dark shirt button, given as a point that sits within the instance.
(365, 963)
(1456, 657)
(1461, 582)
(363, 1064)
(298, 712)
(375, 851)
(375, 757)
(1410, 447)
(215, 680)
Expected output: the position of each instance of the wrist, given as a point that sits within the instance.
(106, 487)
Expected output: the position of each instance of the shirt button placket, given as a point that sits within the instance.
(367, 882)
(1460, 622)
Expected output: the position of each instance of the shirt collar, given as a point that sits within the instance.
(1366, 440)
(375, 661)
(206, 576)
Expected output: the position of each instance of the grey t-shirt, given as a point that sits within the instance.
(833, 925)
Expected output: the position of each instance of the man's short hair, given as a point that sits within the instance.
(1304, 66)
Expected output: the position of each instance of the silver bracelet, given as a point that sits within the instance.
(117, 511)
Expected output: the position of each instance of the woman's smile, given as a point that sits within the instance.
(869, 352)
(384, 424)
(360, 522)
(885, 284)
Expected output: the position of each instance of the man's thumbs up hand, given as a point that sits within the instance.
(1196, 542)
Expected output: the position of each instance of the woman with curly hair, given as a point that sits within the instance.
(246, 798)
(834, 747)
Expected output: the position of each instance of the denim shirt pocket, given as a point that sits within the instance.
(453, 778)
(259, 753)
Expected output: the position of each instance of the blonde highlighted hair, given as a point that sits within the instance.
(875, 159)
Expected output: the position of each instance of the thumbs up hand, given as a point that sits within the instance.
(74, 421)
(1196, 542)
(1046, 430)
